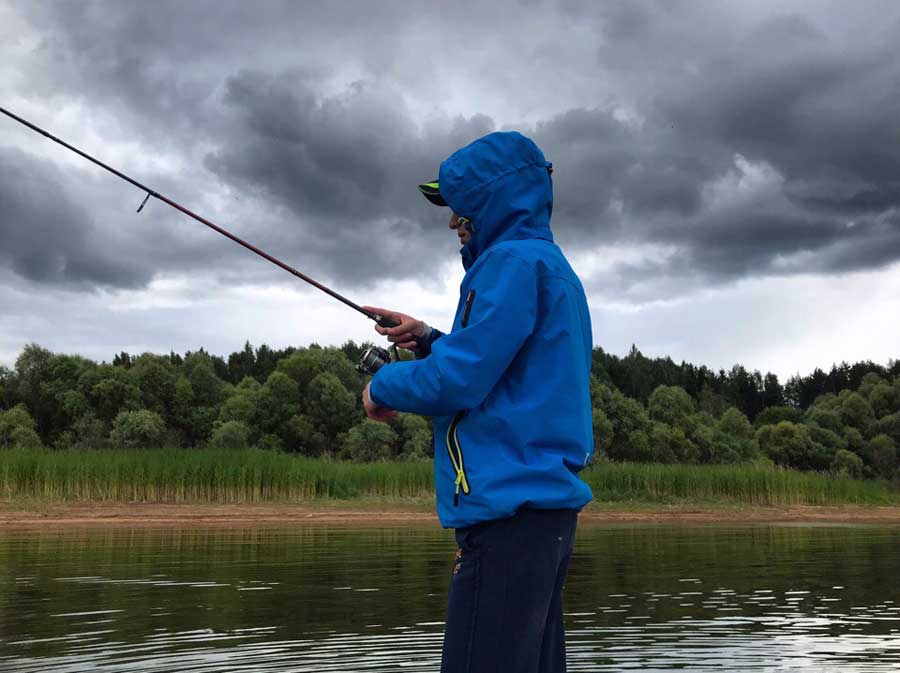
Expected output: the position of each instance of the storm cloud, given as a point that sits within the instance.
(745, 141)
(48, 237)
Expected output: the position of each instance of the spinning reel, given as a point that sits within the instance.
(375, 358)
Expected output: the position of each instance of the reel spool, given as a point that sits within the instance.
(373, 359)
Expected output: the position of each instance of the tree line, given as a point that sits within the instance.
(638, 376)
(307, 400)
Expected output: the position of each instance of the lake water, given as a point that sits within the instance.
(649, 598)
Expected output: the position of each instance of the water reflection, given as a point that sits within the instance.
(762, 598)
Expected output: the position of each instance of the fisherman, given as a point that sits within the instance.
(508, 388)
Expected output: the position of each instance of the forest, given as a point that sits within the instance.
(306, 401)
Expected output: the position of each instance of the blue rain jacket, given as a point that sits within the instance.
(509, 385)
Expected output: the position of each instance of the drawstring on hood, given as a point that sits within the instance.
(501, 182)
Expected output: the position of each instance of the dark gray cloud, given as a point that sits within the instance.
(49, 237)
(749, 140)
(345, 167)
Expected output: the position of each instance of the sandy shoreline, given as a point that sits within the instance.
(287, 515)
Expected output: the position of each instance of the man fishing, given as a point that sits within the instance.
(509, 391)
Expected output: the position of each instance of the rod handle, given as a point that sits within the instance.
(384, 321)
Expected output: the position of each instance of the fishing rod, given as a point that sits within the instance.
(372, 360)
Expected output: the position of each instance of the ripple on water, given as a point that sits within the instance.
(745, 599)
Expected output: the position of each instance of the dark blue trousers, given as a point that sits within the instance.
(504, 612)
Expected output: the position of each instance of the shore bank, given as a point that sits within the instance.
(416, 513)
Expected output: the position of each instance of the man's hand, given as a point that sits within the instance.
(373, 411)
(406, 331)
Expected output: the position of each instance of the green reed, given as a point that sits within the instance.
(264, 476)
(745, 483)
(201, 476)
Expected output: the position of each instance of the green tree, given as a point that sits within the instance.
(790, 444)
(7, 387)
(671, 405)
(735, 438)
(671, 444)
(32, 374)
(183, 404)
(638, 446)
(110, 390)
(305, 437)
(89, 432)
(192, 419)
(141, 429)
(830, 441)
(847, 464)
(884, 398)
(774, 415)
(856, 412)
(241, 403)
(208, 388)
(17, 429)
(369, 441)
(306, 364)
(890, 425)
(709, 443)
(74, 404)
(744, 390)
(828, 401)
(241, 364)
(278, 401)
(603, 433)
(230, 435)
(881, 456)
(855, 441)
(155, 377)
(735, 423)
(830, 419)
(868, 383)
(773, 392)
(414, 436)
(41, 380)
(711, 402)
(630, 424)
(330, 405)
(269, 442)
(63, 373)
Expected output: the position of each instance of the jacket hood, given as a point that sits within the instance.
(501, 182)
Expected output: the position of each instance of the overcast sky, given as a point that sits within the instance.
(727, 174)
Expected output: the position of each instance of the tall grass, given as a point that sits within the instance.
(262, 476)
(201, 476)
(748, 484)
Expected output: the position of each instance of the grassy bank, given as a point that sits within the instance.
(258, 476)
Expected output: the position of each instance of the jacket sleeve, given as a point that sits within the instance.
(467, 363)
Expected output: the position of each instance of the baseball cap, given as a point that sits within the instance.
(432, 192)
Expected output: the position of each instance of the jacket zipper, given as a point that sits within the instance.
(456, 457)
(453, 446)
